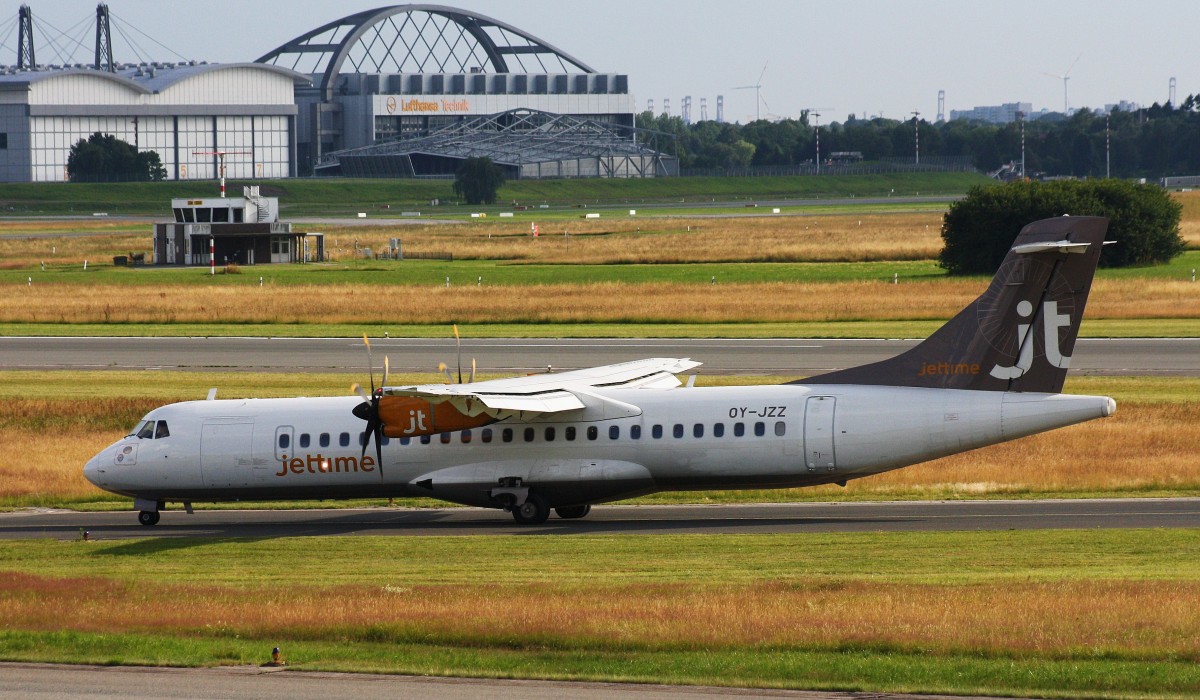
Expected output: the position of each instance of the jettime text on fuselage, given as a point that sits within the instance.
(319, 464)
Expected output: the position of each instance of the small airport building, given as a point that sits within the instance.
(185, 112)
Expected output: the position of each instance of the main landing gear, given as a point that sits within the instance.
(573, 512)
(534, 511)
(148, 517)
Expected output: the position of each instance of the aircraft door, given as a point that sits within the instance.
(818, 433)
(227, 454)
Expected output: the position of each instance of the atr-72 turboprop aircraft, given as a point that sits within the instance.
(565, 441)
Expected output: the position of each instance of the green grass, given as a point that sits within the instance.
(591, 565)
(326, 197)
(1103, 328)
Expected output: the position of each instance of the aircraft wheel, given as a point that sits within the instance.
(148, 517)
(573, 512)
(534, 511)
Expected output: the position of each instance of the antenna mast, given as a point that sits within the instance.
(104, 59)
(25, 57)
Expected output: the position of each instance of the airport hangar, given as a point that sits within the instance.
(405, 90)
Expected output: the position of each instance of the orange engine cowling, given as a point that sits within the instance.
(405, 416)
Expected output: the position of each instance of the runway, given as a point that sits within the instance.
(907, 516)
(1108, 356)
(21, 681)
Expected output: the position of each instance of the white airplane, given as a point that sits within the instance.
(565, 441)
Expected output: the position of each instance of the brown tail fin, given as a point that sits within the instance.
(1017, 336)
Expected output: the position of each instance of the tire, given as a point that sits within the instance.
(534, 511)
(573, 512)
(148, 517)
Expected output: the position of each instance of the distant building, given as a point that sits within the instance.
(242, 230)
(999, 114)
(1122, 106)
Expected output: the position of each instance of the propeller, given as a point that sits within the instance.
(368, 410)
(458, 352)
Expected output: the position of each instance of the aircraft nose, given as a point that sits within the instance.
(91, 470)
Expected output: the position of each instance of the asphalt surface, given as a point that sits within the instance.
(915, 516)
(23, 681)
(1112, 356)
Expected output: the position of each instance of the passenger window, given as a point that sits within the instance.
(405, 441)
(656, 432)
(465, 437)
(593, 432)
(780, 428)
(507, 435)
(760, 429)
(284, 441)
(614, 432)
(146, 432)
(635, 432)
(485, 435)
(718, 430)
(698, 430)
(569, 433)
(385, 441)
(677, 431)
(426, 439)
(549, 434)
(362, 439)
(304, 440)
(344, 439)
(444, 438)
(161, 431)
(324, 439)
(739, 429)
(530, 433)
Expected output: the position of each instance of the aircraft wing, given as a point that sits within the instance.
(549, 393)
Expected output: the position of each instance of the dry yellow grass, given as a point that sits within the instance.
(1189, 225)
(560, 303)
(1127, 618)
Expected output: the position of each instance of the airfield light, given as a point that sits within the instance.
(917, 136)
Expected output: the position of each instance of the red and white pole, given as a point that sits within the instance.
(212, 255)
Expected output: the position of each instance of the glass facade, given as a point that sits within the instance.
(258, 146)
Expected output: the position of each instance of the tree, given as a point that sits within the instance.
(478, 180)
(979, 229)
(105, 158)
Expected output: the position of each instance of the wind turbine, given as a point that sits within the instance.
(757, 87)
(1065, 77)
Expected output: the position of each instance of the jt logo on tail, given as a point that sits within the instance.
(1052, 321)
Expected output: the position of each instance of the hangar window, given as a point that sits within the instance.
(161, 431)
(718, 430)
(635, 432)
(760, 429)
(739, 429)
(780, 428)
(4, 140)
(324, 440)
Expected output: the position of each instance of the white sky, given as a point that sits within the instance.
(865, 56)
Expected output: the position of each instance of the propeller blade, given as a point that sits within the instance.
(458, 351)
(387, 368)
(472, 378)
(356, 389)
(370, 362)
(445, 370)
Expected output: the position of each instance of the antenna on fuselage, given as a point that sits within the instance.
(212, 394)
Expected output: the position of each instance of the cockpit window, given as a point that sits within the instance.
(161, 431)
(146, 430)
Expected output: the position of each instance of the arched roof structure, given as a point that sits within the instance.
(418, 39)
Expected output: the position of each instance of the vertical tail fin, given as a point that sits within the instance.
(1017, 336)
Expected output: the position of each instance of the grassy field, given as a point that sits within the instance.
(1146, 449)
(1107, 613)
(328, 197)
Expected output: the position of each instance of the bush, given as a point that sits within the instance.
(105, 158)
(979, 229)
(478, 180)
